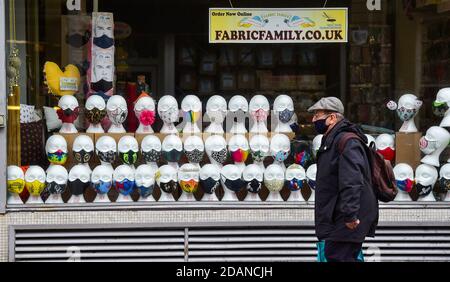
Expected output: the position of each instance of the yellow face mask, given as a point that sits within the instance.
(190, 186)
(35, 188)
(16, 186)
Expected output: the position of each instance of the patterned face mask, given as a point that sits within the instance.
(274, 185)
(439, 109)
(281, 156)
(191, 116)
(427, 146)
(118, 116)
(444, 183)
(405, 185)
(285, 116)
(144, 191)
(209, 185)
(294, 184)
(301, 152)
(169, 187)
(83, 156)
(129, 158)
(258, 156)
(16, 186)
(55, 188)
(95, 115)
(254, 186)
(151, 156)
(107, 157)
(220, 156)
(406, 114)
(102, 187)
(190, 186)
(172, 156)
(194, 156)
(170, 115)
(35, 188)
(124, 187)
(59, 157)
(260, 115)
(424, 190)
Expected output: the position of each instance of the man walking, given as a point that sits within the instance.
(346, 208)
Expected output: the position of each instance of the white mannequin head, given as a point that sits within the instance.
(188, 177)
(283, 107)
(128, 148)
(407, 108)
(216, 148)
(35, 180)
(16, 179)
(404, 176)
(117, 109)
(192, 107)
(444, 178)
(426, 177)
(441, 105)
(295, 171)
(151, 148)
(259, 147)
(56, 148)
(239, 148)
(102, 178)
(145, 176)
(311, 176)
(216, 108)
(259, 108)
(274, 178)
(83, 148)
(385, 144)
(317, 141)
(231, 177)
(168, 109)
(68, 102)
(58, 174)
(167, 178)
(145, 109)
(95, 101)
(194, 148)
(280, 147)
(79, 179)
(253, 175)
(123, 173)
(209, 178)
(444, 172)
(237, 103)
(433, 143)
(106, 149)
(172, 142)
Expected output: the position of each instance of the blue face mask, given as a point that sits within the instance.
(294, 184)
(281, 156)
(124, 187)
(285, 116)
(312, 184)
(102, 187)
(144, 191)
(103, 41)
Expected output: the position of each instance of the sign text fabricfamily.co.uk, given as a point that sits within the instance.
(299, 25)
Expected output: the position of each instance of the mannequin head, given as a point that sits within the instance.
(56, 148)
(167, 178)
(106, 149)
(216, 108)
(259, 147)
(151, 148)
(79, 179)
(283, 107)
(316, 143)
(237, 103)
(444, 177)
(117, 109)
(426, 177)
(311, 176)
(239, 148)
(386, 146)
(441, 105)
(56, 179)
(407, 107)
(404, 176)
(69, 109)
(95, 109)
(172, 148)
(209, 178)
(144, 110)
(128, 149)
(123, 177)
(83, 149)
(192, 108)
(301, 152)
(188, 177)
(295, 175)
(274, 178)
(216, 148)
(194, 149)
(145, 180)
(280, 147)
(35, 180)
(259, 108)
(168, 109)
(253, 177)
(16, 179)
(370, 140)
(435, 140)
(231, 177)
(102, 179)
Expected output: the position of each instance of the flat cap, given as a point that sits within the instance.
(331, 104)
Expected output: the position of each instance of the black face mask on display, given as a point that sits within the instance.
(55, 188)
(235, 185)
(172, 156)
(107, 157)
(78, 187)
(424, 190)
(169, 187)
(102, 86)
(103, 41)
(129, 157)
(209, 185)
(78, 40)
(254, 186)
(83, 156)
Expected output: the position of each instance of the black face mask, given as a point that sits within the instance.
(107, 157)
(78, 40)
(83, 156)
(444, 184)
(103, 41)
(220, 156)
(169, 187)
(424, 190)
(102, 86)
(209, 185)
(254, 186)
(194, 156)
(151, 156)
(55, 188)
(172, 156)
(235, 185)
(78, 187)
(129, 157)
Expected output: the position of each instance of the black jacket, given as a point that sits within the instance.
(343, 191)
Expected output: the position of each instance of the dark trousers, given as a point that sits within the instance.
(342, 251)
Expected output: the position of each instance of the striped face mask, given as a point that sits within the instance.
(191, 116)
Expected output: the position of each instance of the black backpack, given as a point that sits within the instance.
(383, 179)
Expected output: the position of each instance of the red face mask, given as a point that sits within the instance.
(388, 154)
(146, 117)
(68, 115)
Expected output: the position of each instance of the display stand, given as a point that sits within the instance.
(407, 148)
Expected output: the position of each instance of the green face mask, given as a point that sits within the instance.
(129, 158)
(439, 109)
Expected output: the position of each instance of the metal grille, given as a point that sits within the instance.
(228, 242)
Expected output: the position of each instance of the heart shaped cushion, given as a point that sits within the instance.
(53, 75)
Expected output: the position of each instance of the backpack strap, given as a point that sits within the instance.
(344, 139)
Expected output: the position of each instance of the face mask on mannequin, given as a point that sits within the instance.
(260, 115)
(59, 157)
(406, 114)
(16, 186)
(146, 117)
(35, 188)
(77, 187)
(285, 116)
(301, 152)
(424, 190)
(234, 185)
(444, 184)
(172, 156)
(294, 184)
(439, 109)
(95, 115)
(427, 146)
(194, 156)
(118, 116)
(129, 157)
(102, 187)
(83, 156)
(312, 184)
(107, 157)
(68, 115)
(169, 187)
(103, 41)
(220, 156)
(239, 155)
(209, 185)
(152, 155)
(125, 187)
(405, 185)
(78, 40)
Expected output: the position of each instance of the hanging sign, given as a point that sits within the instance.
(299, 25)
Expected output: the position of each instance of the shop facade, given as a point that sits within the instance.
(150, 50)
